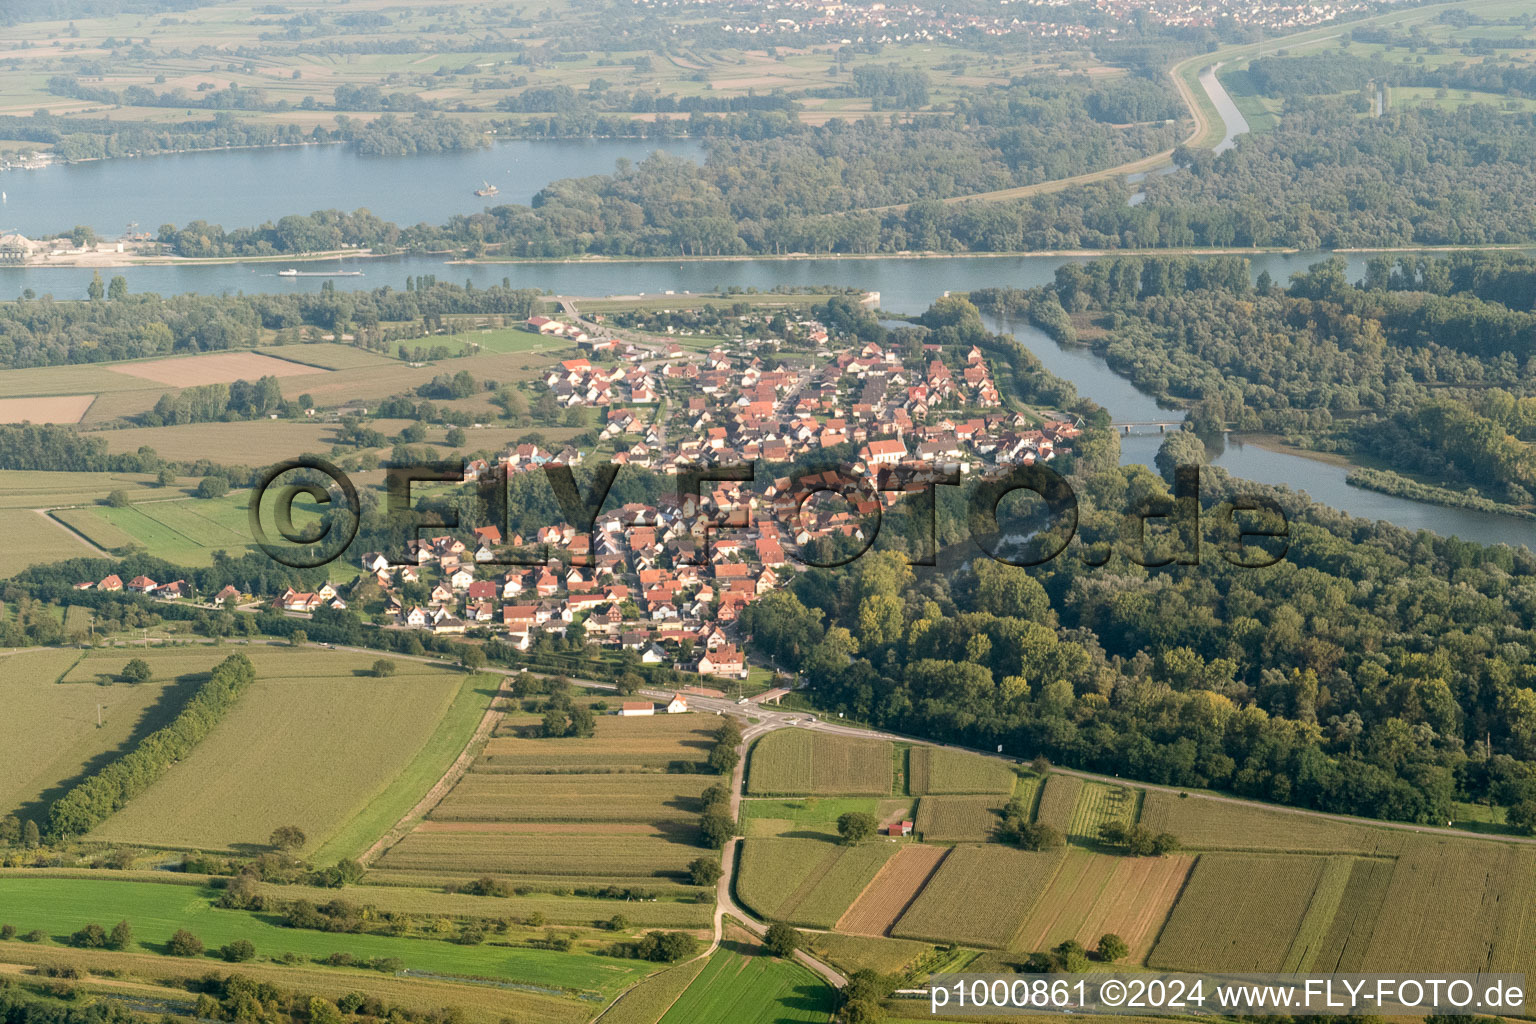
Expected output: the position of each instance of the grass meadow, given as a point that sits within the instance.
(752, 988)
(49, 733)
(60, 906)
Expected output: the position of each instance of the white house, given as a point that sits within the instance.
(677, 705)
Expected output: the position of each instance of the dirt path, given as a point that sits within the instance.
(82, 538)
(451, 777)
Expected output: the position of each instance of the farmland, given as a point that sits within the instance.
(327, 355)
(316, 717)
(647, 1001)
(554, 810)
(1204, 824)
(212, 368)
(53, 409)
(936, 770)
(630, 744)
(853, 952)
(50, 736)
(1098, 805)
(747, 989)
(804, 817)
(60, 906)
(892, 891)
(980, 896)
(616, 797)
(1224, 921)
(480, 1003)
(958, 819)
(1058, 801)
(792, 762)
(1094, 893)
(807, 882)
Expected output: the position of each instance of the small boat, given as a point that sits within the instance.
(487, 189)
(290, 272)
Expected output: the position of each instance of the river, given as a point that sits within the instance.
(244, 187)
(905, 286)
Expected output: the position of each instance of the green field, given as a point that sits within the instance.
(311, 715)
(856, 952)
(938, 770)
(1201, 823)
(577, 797)
(758, 989)
(647, 1001)
(1238, 912)
(633, 857)
(60, 906)
(792, 762)
(958, 819)
(1058, 801)
(814, 816)
(1098, 805)
(49, 736)
(807, 882)
(980, 896)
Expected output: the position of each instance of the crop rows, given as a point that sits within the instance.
(963, 819)
(887, 897)
(625, 856)
(1058, 801)
(935, 770)
(1204, 824)
(1238, 912)
(807, 882)
(1098, 805)
(980, 896)
(791, 762)
(574, 798)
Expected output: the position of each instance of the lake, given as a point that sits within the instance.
(308, 180)
(244, 187)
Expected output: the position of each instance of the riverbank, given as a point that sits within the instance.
(1387, 481)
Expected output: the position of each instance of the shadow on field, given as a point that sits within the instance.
(171, 700)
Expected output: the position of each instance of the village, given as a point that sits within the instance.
(834, 436)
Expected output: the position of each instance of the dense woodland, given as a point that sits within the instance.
(1371, 671)
(1421, 365)
(118, 324)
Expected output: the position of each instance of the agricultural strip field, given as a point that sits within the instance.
(620, 858)
(855, 952)
(327, 355)
(958, 819)
(185, 532)
(1238, 912)
(1094, 893)
(1457, 905)
(808, 817)
(527, 808)
(980, 896)
(60, 906)
(649, 1000)
(212, 368)
(892, 891)
(617, 797)
(934, 770)
(1058, 801)
(792, 762)
(1354, 919)
(481, 1003)
(1204, 824)
(756, 989)
(257, 770)
(807, 882)
(1098, 805)
(633, 744)
(52, 409)
(48, 734)
(31, 539)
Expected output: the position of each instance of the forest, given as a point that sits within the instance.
(123, 325)
(1420, 365)
(1371, 671)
